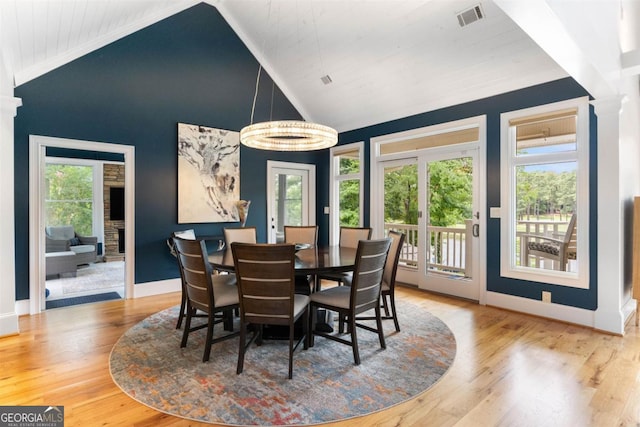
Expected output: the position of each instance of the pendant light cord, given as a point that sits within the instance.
(255, 95)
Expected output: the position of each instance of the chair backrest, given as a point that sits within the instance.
(189, 234)
(266, 282)
(196, 272)
(301, 234)
(60, 232)
(185, 234)
(371, 256)
(350, 236)
(241, 235)
(391, 265)
(571, 238)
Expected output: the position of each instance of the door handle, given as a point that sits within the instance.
(475, 230)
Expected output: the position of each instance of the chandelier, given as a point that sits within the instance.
(286, 135)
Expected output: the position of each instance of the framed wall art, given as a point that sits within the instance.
(208, 174)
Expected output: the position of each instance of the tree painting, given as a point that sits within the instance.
(208, 174)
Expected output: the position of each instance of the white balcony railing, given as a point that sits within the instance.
(450, 250)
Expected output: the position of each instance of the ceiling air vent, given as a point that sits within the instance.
(326, 79)
(471, 15)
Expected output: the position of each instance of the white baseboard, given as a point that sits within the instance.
(629, 309)
(157, 288)
(23, 307)
(578, 316)
(9, 324)
(139, 290)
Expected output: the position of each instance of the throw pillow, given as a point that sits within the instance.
(74, 241)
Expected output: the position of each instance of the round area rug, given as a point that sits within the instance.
(148, 364)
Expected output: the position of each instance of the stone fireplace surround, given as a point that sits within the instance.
(113, 176)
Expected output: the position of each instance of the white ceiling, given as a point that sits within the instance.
(387, 59)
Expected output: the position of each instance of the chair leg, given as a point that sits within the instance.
(354, 339)
(394, 313)
(312, 325)
(207, 344)
(228, 320)
(187, 326)
(291, 351)
(183, 306)
(384, 304)
(259, 339)
(243, 338)
(379, 323)
(305, 328)
(341, 323)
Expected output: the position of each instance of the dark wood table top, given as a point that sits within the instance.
(317, 260)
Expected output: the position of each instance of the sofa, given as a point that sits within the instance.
(65, 239)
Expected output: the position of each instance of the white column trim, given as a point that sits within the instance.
(609, 315)
(8, 315)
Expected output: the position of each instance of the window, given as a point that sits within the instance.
(544, 197)
(346, 192)
(69, 196)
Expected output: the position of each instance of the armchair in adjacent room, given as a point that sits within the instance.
(64, 238)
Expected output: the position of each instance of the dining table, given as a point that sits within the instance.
(309, 260)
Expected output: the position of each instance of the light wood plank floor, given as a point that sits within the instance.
(510, 369)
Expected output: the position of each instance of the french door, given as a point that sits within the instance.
(434, 200)
(291, 197)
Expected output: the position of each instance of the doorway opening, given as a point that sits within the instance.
(39, 193)
(428, 184)
(291, 197)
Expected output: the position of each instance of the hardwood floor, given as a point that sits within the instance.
(510, 369)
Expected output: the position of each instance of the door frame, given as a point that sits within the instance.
(310, 201)
(377, 191)
(37, 160)
(436, 282)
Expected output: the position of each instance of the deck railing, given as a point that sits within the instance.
(450, 247)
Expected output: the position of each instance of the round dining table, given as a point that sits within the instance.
(311, 261)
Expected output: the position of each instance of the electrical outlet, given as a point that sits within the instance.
(546, 296)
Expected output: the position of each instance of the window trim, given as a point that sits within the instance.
(98, 188)
(508, 163)
(334, 188)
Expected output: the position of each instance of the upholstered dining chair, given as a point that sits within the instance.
(302, 234)
(305, 234)
(349, 238)
(216, 295)
(189, 235)
(240, 234)
(389, 279)
(266, 285)
(362, 296)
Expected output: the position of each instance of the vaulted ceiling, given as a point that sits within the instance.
(385, 59)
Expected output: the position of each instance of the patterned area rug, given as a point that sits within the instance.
(148, 364)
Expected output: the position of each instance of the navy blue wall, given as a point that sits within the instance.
(189, 68)
(492, 107)
(192, 68)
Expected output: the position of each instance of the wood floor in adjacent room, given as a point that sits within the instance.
(510, 369)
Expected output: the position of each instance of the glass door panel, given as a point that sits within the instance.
(289, 199)
(449, 224)
(401, 208)
(450, 207)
